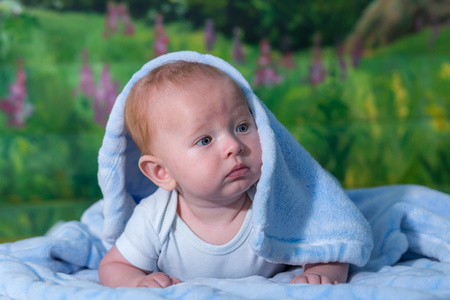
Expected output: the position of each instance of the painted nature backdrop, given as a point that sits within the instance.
(365, 88)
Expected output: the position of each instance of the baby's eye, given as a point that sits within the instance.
(204, 141)
(242, 128)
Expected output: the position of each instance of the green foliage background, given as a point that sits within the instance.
(273, 19)
(387, 123)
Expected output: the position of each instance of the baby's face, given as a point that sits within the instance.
(208, 140)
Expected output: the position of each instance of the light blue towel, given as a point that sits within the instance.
(409, 223)
(301, 214)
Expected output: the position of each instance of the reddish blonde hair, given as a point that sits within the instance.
(145, 91)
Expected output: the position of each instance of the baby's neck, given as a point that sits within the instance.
(215, 225)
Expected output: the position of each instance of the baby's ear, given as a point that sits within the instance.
(153, 168)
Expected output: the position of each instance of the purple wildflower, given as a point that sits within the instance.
(105, 96)
(210, 35)
(317, 72)
(111, 20)
(15, 105)
(102, 95)
(113, 13)
(161, 39)
(341, 60)
(288, 54)
(356, 52)
(126, 20)
(87, 84)
(266, 73)
(238, 51)
(288, 60)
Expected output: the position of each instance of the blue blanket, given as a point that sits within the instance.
(397, 238)
(410, 260)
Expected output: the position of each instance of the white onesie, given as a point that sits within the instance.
(156, 239)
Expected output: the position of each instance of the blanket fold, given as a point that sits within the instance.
(301, 214)
(405, 219)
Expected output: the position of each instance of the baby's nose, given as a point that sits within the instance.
(232, 147)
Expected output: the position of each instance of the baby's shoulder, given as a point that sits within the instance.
(159, 209)
(160, 199)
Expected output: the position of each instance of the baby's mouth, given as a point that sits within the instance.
(239, 170)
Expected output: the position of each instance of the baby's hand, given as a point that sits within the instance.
(323, 273)
(312, 278)
(158, 280)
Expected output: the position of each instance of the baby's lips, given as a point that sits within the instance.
(238, 171)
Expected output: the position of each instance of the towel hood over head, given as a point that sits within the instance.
(300, 212)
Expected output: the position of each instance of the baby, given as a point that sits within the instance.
(200, 145)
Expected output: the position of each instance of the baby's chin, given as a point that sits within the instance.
(240, 187)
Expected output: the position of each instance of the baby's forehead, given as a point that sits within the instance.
(193, 93)
(198, 81)
(197, 78)
(184, 73)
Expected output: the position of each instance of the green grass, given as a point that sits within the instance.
(28, 220)
(387, 123)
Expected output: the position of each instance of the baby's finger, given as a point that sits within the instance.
(148, 282)
(314, 278)
(174, 280)
(299, 279)
(310, 278)
(162, 279)
(325, 280)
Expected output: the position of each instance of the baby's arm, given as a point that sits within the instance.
(115, 271)
(330, 273)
